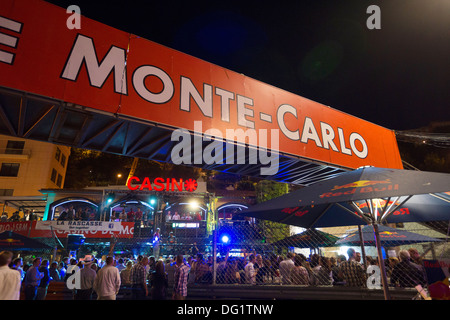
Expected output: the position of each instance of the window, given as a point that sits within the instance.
(59, 181)
(9, 169)
(63, 160)
(14, 147)
(58, 153)
(53, 177)
(6, 192)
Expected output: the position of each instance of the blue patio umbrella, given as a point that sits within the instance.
(368, 195)
(419, 208)
(310, 238)
(389, 237)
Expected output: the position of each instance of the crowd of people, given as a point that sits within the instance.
(195, 216)
(296, 269)
(28, 215)
(80, 214)
(86, 213)
(146, 277)
(131, 215)
(102, 279)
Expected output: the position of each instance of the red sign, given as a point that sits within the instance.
(116, 72)
(161, 184)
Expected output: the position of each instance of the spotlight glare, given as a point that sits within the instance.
(225, 239)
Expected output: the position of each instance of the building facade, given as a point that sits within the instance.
(27, 166)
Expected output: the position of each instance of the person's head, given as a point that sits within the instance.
(45, 263)
(414, 254)
(325, 261)
(289, 255)
(404, 255)
(159, 268)
(129, 264)
(252, 258)
(393, 261)
(199, 257)
(298, 260)
(18, 262)
(109, 261)
(54, 265)
(37, 262)
(259, 259)
(179, 259)
(5, 258)
(351, 253)
(144, 261)
(358, 256)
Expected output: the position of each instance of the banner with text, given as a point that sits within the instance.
(90, 229)
(106, 69)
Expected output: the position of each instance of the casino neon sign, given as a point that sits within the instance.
(162, 184)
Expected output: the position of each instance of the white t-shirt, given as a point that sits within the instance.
(250, 273)
(107, 282)
(9, 284)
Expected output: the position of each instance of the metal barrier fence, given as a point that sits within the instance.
(266, 253)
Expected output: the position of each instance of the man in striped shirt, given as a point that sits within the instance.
(181, 279)
(352, 272)
(138, 279)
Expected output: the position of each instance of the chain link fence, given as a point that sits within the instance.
(285, 255)
(264, 253)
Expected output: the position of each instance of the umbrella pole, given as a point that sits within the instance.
(363, 251)
(384, 281)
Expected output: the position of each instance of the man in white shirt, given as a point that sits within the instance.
(10, 280)
(176, 216)
(107, 283)
(250, 274)
(286, 267)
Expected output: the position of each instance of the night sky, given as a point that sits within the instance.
(397, 77)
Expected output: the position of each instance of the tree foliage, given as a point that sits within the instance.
(266, 190)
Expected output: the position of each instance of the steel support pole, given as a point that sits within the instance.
(384, 281)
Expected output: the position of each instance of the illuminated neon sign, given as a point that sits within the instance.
(161, 184)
